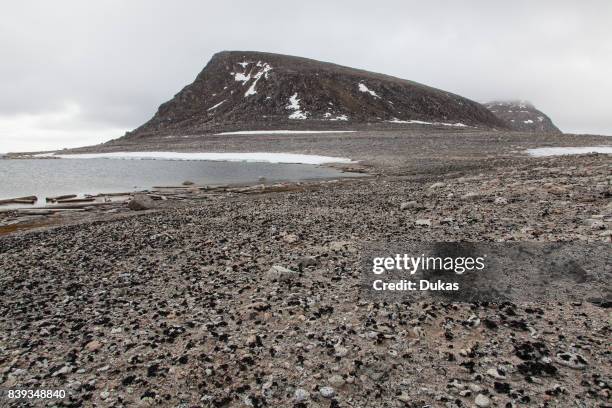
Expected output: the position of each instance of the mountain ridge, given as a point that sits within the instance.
(522, 116)
(247, 88)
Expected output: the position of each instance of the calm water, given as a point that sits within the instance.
(44, 178)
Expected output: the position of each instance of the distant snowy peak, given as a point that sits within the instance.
(522, 116)
(243, 89)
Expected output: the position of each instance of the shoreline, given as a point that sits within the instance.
(184, 304)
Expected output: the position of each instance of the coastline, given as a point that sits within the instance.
(176, 305)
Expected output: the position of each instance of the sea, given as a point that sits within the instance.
(53, 177)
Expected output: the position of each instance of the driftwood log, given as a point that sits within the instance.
(20, 200)
(62, 197)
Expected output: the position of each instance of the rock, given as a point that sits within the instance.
(104, 395)
(473, 196)
(475, 387)
(500, 201)
(340, 351)
(291, 238)
(63, 370)
(253, 340)
(307, 261)
(482, 401)
(327, 392)
(572, 360)
(408, 204)
(93, 346)
(404, 397)
(336, 380)
(141, 202)
(437, 185)
(301, 395)
(188, 183)
(423, 222)
(496, 373)
(281, 274)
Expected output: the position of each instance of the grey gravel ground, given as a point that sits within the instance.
(176, 306)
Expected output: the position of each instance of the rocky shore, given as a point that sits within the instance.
(240, 299)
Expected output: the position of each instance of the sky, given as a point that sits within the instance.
(77, 73)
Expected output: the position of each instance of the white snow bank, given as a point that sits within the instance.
(282, 132)
(260, 157)
(420, 122)
(562, 151)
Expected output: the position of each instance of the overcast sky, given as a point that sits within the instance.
(76, 73)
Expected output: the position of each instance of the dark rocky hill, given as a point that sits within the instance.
(241, 89)
(522, 116)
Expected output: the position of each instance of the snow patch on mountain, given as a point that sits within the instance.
(294, 104)
(216, 106)
(363, 88)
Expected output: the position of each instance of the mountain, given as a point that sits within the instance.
(522, 116)
(245, 90)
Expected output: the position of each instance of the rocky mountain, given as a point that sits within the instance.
(242, 89)
(522, 116)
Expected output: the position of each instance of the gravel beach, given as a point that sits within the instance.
(188, 304)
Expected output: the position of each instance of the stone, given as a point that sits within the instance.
(327, 392)
(475, 387)
(307, 261)
(63, 370)
(404, 397)
(437, 185)
(473, 196)
(93, 346)
(496, 373)
(423, 222)
(572, 360)
(104, 395)
(340, 351)
(291, 238)
(408, 204)
(301, 395)
(281, 274)
(500, 201)
(336, 380)
(141, 202)
(482, 401)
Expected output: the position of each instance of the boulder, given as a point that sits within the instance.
(141, 202)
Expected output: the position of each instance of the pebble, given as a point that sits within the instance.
(336, 380)
(327, 392)
(93, 345)
(423, 222)
(301, 395)
(482, 401)
(500, 201)
(408, 204)
(437, 185)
